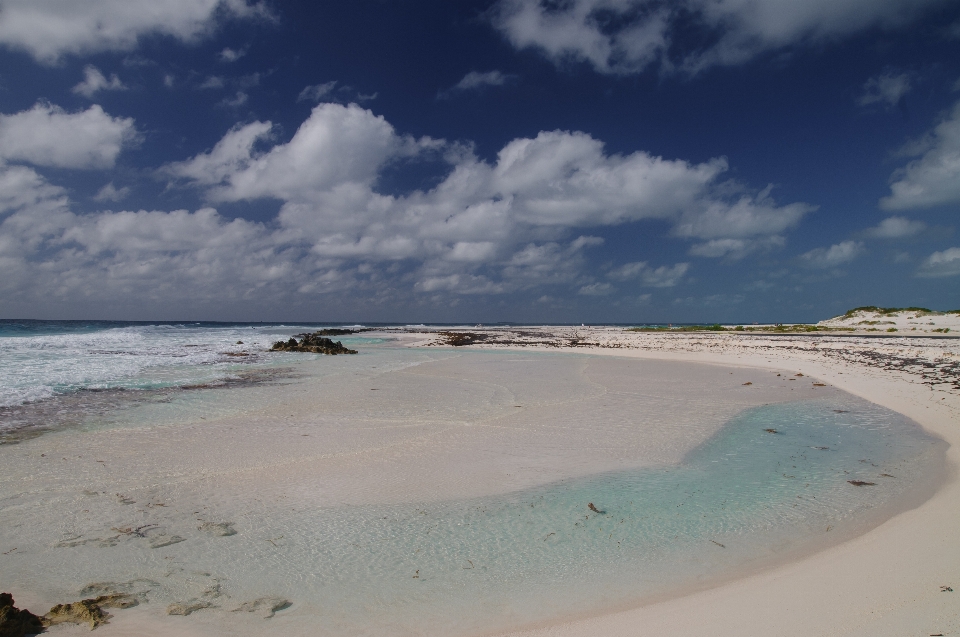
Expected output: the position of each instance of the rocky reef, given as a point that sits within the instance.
(15, 622)
(315, 343)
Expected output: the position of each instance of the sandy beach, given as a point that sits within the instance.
(888, 581)
(440, 431)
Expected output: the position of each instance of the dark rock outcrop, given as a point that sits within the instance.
(15, 622)
(312, 343)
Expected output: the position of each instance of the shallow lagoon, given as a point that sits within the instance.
(739, 499)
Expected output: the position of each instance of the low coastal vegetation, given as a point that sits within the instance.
(871, 319)
(315, 343)
(889, 311)
(716, 327)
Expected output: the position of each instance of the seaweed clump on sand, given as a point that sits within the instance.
(15, 622)
(459, 339)
(314, 343)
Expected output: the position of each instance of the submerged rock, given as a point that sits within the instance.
(204, 600)
(99, 542)
(163, 539)
(264, 606)
(15, 622)
(185, 608)
(314, 343)
(135, 590)
(220, 529)
(116, 600)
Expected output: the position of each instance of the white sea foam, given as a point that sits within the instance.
(36, 367)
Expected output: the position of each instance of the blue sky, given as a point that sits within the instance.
(505, 160)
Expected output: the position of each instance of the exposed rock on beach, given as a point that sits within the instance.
(315, 343)
(88, 611)
(15, 622)
(219, 529)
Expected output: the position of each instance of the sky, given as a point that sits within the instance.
(550, 161)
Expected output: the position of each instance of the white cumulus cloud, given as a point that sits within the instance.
(934, 178)
(661, 277)
(111, 193)
(48, 29)
(508, 217)
(941, 264)
(626, 36)
(231, 55)
(46, 135)
(337, 145)
(596, 289)
(475, 80)
(316, 92)
(886, 89)
(837, 254)
(94, 81)
(517, 223)
(896, 228)
(214, 82)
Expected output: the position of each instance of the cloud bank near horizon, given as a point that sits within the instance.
(518, 223)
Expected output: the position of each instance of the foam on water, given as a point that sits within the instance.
(40, 359)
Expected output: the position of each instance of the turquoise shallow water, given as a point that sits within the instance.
(461, 567)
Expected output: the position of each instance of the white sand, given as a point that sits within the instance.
(886, 582)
